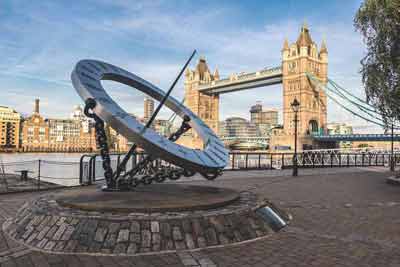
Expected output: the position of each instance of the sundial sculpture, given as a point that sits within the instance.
(155, 218)
(209, 162)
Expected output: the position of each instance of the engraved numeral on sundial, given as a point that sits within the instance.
(93, 87)
(105, 100)
(211, 158)
(94, 66)
(121, 114)
(103, 66)
(85, 68)
(84, 74)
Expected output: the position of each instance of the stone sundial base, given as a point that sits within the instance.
(152, 219)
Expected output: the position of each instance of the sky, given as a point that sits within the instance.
(43, 40)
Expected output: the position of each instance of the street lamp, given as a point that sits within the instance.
(295, 107)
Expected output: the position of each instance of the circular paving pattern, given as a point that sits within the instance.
(46, 225)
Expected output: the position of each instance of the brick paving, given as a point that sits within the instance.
(345, 217)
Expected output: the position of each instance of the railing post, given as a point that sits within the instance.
(313, 159)
(233, 161)
(323, 159)
(348, 160)
(259, 161)
(81, 169)
(283, 161)
(340, 159)
(362, 159)
(271, 161)
(39, 174)
(331, 160)
(247, 158)
(355, 159)
(376, 159)
(303, 162)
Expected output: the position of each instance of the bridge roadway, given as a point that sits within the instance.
(356, 137)
(336, 222)
(243, 81)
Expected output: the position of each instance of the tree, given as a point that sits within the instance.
(379, 23)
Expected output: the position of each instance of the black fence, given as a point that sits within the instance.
(91, 165)
(37, 175)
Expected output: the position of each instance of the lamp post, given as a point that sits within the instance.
(392, 160)
(295, 107)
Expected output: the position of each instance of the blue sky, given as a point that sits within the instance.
(42, 40)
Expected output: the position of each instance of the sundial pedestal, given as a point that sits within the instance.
(151, 219)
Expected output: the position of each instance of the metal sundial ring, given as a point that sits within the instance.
(86, 78)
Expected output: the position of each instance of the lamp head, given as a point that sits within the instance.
(295, 105)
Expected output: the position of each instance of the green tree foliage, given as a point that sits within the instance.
(379, 23)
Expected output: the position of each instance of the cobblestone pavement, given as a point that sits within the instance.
(342, 217)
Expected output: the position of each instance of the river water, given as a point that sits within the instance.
(59, 168)
(18, 157)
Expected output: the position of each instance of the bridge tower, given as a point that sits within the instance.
(205, 106)
(299, 58)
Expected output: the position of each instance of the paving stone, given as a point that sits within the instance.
(165, 229)
(42, 243)
(110, 241)
(123, 235)
(197, 228)
(59, 246)
(146, 238)
(42, 233)
(51, 232)
(50, 245)
(28, 232)
(61, 221)
(71, 245)
(100, 234)
(31, 238)
(113, 228)
(176, 233)
(211, 237)
(156, 241)
(132, 248)
(60, 232)
(120, 248)
(134, 237)
(68, 233)
(223, 239)
(135, 227)
(189, 241)
(217, 224)
(201, 241)
(155, 227)
(180, 245)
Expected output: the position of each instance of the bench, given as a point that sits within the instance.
(24, 174)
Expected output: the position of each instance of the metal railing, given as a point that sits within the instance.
(37, 175)
(91, 169)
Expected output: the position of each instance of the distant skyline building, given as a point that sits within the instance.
(264, 120)
(9, 129)
(236, 127)
(260, 116)
(57, 135)
(148, 108)
(35, 132)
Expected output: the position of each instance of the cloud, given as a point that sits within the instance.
(43, 42)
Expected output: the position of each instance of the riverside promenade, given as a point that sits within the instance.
(341, 217)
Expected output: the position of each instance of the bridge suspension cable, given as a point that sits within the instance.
(337, 94)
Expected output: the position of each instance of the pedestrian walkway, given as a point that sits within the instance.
(341, 217)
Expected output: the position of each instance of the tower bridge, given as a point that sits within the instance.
(243, 81)
(203, 87)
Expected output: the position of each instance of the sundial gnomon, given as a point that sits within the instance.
(86, 78)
